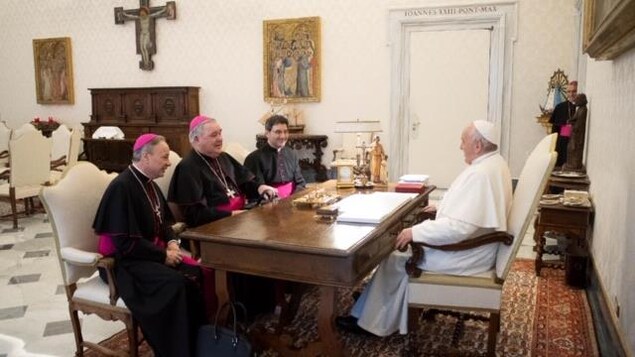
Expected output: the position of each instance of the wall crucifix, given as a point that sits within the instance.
(144, 18)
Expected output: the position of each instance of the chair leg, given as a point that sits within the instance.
(132, 329)
(413, 318)
(77, 329)
(14, 209)
(31, 206)
(494, 327)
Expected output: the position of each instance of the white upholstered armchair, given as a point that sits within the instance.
(483, 292)
(71, 206)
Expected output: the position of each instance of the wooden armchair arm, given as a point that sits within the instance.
(179, 227)
(424, 216)
(417, 248)
(58, 162)
(192, 246)
(108, 263)
(5, 175)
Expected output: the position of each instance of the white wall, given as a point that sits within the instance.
(217, 45)
(546, 31)
(610, 87)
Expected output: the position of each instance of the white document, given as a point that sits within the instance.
(414, 178)
(371, 208)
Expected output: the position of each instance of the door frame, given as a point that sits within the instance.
(498, 17)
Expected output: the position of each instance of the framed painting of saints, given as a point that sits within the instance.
(53, 70)
(291, 62)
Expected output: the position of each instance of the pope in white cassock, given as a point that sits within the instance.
(477, 202)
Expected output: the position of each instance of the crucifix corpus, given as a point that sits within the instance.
(144, 18)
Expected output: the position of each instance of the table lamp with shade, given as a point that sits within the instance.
(355, 172)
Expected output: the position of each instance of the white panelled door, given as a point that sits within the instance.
(449, 87)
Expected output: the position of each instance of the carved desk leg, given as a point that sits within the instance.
(222, 292)
(326, 322)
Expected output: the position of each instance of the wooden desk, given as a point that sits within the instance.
(280, 241)
(574, 222)
(298, 142)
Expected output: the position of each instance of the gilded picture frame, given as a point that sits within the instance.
(609, 28)
(292, 60)
(53, 70)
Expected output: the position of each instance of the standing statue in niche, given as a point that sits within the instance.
(575, 147)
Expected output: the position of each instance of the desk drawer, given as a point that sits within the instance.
(577, 218)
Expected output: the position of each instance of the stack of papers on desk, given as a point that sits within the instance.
(371, 208)
(412, 183)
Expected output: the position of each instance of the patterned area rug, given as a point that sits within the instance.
(540, 317)
(563, 324)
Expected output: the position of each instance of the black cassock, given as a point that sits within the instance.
(199, 191)
(167, 302)
(276, 167)
(561, 114)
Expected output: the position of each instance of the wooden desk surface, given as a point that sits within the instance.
(284, 242)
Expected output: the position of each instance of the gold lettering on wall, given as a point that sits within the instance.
(455, 10)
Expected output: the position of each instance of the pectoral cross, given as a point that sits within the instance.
(144, 18)
(231, 193)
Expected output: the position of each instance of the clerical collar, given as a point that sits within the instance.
(483, 157)
(145, 176)
(272, 148)
(207, 157)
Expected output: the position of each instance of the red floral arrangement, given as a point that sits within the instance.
(45, 125)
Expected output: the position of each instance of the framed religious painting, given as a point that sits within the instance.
(291, 60)
(53, 70)
(609, 28)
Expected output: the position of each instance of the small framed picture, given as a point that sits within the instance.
(291, 60)
(53, 70)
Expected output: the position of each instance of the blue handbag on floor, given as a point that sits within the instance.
(215, 340)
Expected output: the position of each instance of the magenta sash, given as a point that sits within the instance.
(284, 189)
(235, 204)
(565, 130)
(107, 248)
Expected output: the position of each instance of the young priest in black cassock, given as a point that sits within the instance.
(160, 286)
(275, 163)
(208, 184)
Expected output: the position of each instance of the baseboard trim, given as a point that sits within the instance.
(609, 339)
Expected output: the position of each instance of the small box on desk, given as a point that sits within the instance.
(411, 187)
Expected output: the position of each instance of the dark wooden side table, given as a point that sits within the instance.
(315, 143)
(581, 183)
(573, 222)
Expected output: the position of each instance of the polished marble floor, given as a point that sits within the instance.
(34, 319)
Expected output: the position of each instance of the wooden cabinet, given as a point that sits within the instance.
(165, 111)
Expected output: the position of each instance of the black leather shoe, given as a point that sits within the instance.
(349, 324)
